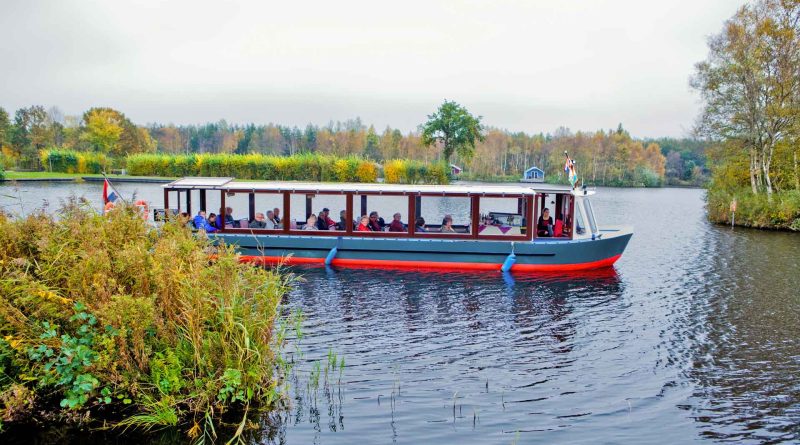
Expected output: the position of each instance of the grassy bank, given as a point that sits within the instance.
(103, 318)
(757, 211)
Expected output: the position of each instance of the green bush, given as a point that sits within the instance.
(300, 167)
(70, 161)
(405, 171)
(782, 212)
(107, 311)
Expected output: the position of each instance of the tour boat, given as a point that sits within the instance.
(494, 227)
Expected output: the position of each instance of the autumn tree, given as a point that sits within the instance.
(102, 129)
(453, 127)
(750, 84)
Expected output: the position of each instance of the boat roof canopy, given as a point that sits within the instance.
(372, 188)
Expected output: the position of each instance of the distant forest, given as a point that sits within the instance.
(603, 157)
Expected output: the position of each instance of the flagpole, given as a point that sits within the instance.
(114, 188)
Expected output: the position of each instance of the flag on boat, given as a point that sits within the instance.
(569, 169)
(108, 197)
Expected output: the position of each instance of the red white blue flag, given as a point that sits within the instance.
(108, 197)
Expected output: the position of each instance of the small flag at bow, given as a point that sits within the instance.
(108, 197)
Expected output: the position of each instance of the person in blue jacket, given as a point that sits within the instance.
(201, 223)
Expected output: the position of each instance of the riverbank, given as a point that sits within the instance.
(756, 211)
(106, 321)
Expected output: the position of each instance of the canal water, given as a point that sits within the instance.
(693, 336)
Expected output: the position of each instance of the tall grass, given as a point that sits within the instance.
(105, 312)
(301, 167)
(69, 161)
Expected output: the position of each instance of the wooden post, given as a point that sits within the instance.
(412, 214)
(287, 201)
(166, 203)
(733, 212)
(222, 206)
(203, 200)
(251, 210)
(189, 201)
(363, 206)
(348, 214)
(475, 210)
(309, 203)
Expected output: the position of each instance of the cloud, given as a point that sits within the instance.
(528, 66)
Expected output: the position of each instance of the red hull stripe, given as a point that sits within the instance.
(392, 264)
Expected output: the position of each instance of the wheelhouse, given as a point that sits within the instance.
(477, 212)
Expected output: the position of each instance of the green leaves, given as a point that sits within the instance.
(454, 127)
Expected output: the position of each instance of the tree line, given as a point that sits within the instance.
(604, 157)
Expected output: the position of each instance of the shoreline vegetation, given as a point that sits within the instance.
(108, 322)
(39, 139)
(750, 85)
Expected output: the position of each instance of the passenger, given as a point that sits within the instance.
(342, 224)
(201, 223)
(376, 223)
(271, 224)
(276, 213)
(447, 225)
(229, 216)
(558, 228)
(330, 222)
(321, 224)
(272, 221)
(397, 225)
(259, 223)
(363, 225)
(185, 220)
(544, 227)
(419, 225)
(311, 223)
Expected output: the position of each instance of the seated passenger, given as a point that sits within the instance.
(201, 223)
(229, 216)
(544, 227)
(321, 224)
(558, 228)
(276, 215)
(447, 225)
(259, 223)
(342, 224)
(376, 223)
(419, 225)
(311, 223)
(271, 224)
(330, 222)
(363, 225)
(397, 225)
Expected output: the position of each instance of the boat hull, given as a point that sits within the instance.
(537, 256)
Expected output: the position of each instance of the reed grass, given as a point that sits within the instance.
(111, 315)
(300, 167)
(406, 171)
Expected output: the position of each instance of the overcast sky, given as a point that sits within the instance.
(523, 65)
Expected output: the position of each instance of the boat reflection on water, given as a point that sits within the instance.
(436, 329)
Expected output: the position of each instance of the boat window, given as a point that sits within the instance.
(309, 208)
(502, 217)
(379, 211)
(580, 224)
(264, 210)
(590, 215)
(445, 214)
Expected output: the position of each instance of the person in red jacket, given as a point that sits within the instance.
(558, 227)
(363, 226)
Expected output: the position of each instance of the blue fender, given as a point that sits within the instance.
(331, 256)
(509, 262)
